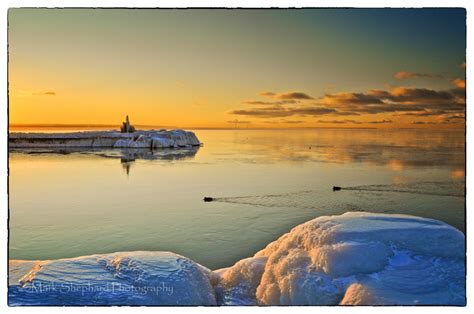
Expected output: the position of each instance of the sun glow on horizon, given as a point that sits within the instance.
(237, 68)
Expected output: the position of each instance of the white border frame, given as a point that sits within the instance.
(5, 4)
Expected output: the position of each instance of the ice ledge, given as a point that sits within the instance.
(356, 258)
(110, 139)
(124, 278)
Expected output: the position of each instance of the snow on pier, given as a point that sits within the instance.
(105, 139)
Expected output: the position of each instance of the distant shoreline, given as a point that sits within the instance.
(148, 127)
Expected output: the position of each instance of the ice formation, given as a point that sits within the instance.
(356, 258)
(138, 139)
(131, 278)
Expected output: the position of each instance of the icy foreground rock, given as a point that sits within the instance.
(131, 278)
(352, 259)
(138, 139)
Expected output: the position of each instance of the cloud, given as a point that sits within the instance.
(280, 102)
(352, 98)
(403, 75)
(418, 95)
(267, 94)
(453, 119)
(293, 95)
(423, 122)
(459, 83)
(345, 113)
(380, 122)
(284, 121)
(293, 121)
(273, 112)
(339, 121)
(460, 93)
(442, 117)
(398, 101)
(426, 113)
(278, 111)
(312, 111)
(239, 122)
(354, 121)
(35, 93)
(286, 96)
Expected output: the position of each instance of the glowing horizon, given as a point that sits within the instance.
(344, 68)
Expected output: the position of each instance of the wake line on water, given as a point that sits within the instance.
(307, 198)
(261, 200)
(401, 191)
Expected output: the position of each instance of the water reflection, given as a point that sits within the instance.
(127, 156)
(396, 149)
(66, 203)
(126, 164)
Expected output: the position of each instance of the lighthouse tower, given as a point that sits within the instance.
(127, 127)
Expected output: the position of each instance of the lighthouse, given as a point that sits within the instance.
(127, 127)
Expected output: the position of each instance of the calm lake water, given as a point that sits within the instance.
(66, 204)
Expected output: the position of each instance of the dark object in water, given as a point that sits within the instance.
(336, 188)
(208, 199)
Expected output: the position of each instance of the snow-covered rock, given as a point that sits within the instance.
(162, 142)
(236, 285)
(132, 278)
(142, 141)
(356, 258)
(138, 139)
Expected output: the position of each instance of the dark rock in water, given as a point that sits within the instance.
(208, 199)
(336, 188)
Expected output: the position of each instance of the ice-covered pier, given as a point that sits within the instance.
(127, 137)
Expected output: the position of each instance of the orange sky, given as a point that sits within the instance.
(246, 69)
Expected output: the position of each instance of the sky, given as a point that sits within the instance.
(396, 68)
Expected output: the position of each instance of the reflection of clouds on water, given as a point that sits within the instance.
(439, 188)
(230, 164)
(397, 158)
(400, 179)
(395, 165)
(397, 150)
(458, 174)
